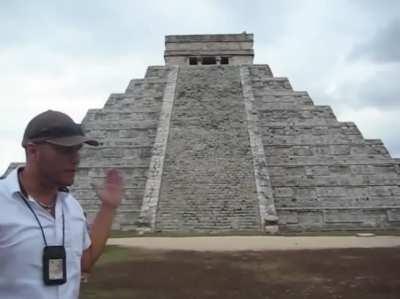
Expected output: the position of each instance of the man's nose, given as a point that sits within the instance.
(75, 157)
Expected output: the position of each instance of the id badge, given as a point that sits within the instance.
(54, 265)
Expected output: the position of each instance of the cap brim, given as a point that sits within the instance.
(73, 140)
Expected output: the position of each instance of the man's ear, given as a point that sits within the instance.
(31, 150)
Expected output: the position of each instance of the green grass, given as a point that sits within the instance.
(114, 254)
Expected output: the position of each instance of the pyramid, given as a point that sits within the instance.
(212, 143)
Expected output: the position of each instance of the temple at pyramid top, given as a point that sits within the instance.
(205, 49)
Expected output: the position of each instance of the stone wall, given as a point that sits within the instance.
(324, 174)
(126, 127)
(238, 47)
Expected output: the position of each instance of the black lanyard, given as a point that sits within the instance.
(38, 221)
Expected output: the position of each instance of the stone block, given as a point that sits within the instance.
(343, 216)
(393, 215)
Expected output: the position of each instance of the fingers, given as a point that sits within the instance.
(113, 176)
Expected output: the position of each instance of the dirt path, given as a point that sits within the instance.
(239, 243)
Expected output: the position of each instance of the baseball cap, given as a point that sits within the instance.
(57, 128)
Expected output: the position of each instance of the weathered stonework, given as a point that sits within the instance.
(208, 180)
(235, 48)
(155, 172)
(212, 143)
(265, 196)
(127, 126)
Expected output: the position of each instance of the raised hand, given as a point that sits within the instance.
(113, 189)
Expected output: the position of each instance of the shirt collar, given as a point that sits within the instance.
(12, 182)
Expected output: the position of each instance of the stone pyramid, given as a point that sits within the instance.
(212, 143)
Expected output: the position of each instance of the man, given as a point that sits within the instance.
(44, 239)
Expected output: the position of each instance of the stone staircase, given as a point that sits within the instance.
(208, 178)
(324, 174)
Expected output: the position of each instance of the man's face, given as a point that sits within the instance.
(57, 164)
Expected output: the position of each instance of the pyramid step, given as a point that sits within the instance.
(357, 150)
(286, 105)
(338, 219)
(377, 146)
(268, 84)
(156, 72)
(135, 86)
(122, 124)
(89, 196)
(142, 153)
(115, 99)
(260, 71)
(308, 111)
(304, 139)
(324, 170)
(335, 180)
(317, 115)
(349, 192)
(103, 118)
(343, 128)
(100, 171)
(338, 201)
(326, 160)
(261, 101)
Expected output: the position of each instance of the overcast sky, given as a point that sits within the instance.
(71, 55)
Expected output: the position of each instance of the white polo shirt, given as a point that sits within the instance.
(21, 243)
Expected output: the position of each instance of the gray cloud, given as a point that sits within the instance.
(382, 47)
(375, 10)
(267, 20)
(93, 27)
(383, 90)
